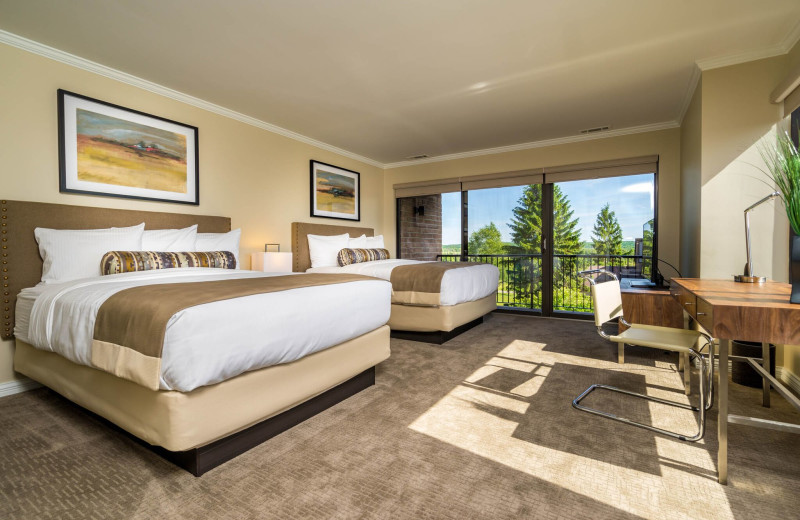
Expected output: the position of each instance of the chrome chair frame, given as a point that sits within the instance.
(706, 379)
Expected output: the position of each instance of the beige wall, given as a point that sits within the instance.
(691, 155)
(258, 178)
(665, 143)
(737, 118)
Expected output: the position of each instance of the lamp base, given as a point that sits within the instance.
(749, 279)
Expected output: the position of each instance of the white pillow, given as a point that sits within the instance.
(70, 254)
(323, 249)
(357, 242)
(375, 242)
(220, 242)
(170, 240)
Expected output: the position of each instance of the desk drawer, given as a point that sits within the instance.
(705, 315)
(687, 300)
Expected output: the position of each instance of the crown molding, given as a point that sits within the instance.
(541, 144)
(788, 42)
(694, 80)
(743, 57)
(123, 77)
(786, 45)
(792, 38)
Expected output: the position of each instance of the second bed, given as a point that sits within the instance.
(431, 301)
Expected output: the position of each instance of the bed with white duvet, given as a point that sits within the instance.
(465, 284)
(212, 342)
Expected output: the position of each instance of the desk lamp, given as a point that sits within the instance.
(748, 276)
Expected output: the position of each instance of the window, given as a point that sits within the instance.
(540, 229)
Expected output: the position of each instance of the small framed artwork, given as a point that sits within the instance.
(110, 150)
(335, 192)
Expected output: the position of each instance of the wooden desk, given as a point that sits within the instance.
(651, 307)
(743, 311)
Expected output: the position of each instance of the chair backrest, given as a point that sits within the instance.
(607, 299)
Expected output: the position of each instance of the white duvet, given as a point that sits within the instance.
(212, 342)
(458, 285)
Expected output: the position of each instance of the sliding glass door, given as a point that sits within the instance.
(540, 235)
(504, 228)
(605, 223)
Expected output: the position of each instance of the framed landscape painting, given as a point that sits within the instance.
(110, 150)
(335, 192)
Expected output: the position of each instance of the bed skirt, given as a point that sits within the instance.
(442, 318)
(181, 421)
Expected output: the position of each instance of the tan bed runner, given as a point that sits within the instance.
(421, 284)
(130, 326)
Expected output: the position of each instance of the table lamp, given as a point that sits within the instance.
(271, 261)
(748, 276)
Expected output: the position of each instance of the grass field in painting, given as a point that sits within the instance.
(329, 202)
(114, 163)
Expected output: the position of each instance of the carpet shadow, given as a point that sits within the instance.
(576, 432)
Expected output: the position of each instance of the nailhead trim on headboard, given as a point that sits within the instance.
(7, 333)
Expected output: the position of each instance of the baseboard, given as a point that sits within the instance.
(790, 378)
(17, 386)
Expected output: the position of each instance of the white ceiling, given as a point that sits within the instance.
(392, 79)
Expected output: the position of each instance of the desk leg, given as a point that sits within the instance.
(766, 362)
(722, 421)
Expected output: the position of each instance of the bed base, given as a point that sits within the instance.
(202, 459)
(439, 336)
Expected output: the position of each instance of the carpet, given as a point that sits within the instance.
(480, 427)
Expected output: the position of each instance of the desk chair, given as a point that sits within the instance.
(607, 299)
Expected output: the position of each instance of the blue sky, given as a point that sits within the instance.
(630, 197)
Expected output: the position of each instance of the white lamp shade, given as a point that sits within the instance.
(271, 262)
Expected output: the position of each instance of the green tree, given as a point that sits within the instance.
(607, 233)
(566, 235)
(486, 241)
(526, 234)
(526, 224)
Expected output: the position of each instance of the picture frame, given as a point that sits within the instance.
(109, 150)
(335, 192)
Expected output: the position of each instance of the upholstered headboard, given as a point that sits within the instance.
(19, 253)
(301, 260)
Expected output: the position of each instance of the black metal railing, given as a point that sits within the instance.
(520, 284)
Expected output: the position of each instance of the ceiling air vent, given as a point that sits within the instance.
(595, 130)
(415, 157)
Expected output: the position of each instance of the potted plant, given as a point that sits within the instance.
(783, 167)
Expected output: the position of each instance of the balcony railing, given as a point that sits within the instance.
(520, 284)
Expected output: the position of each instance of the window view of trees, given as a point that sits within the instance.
(617, 234)
(607, 234)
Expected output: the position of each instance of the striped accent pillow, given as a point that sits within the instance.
(115, 262)
(349, 256)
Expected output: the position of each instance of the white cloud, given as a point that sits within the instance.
(640, 187)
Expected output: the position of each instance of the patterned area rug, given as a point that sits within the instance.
(480, 427)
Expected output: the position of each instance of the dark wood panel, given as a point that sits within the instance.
(650, 307)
